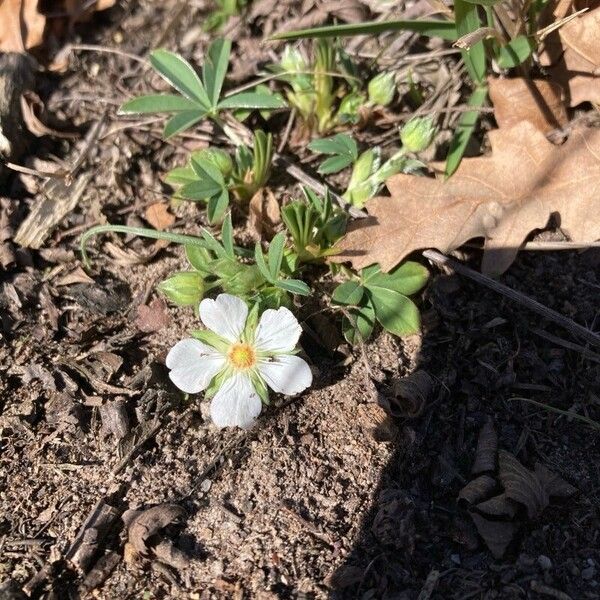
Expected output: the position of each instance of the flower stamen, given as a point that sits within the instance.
(242, 356)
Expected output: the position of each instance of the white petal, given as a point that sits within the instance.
(277, 331)
(226, 316)
(286, 374)
(193, 364)
(236, 403)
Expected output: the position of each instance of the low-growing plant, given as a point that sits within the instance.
(321, 104)
(212, 176)
(222, 12)
(372, 296)
(199, 98)
(368, 174)
(485, 31)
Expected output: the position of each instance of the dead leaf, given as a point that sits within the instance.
(574, 53)
(33, 108)
(487, 447)
(153, 317)
(26, 24)
(497, 535)
(522, 485)
(498, 506)
(477, 489)
(77, 275)
(555, 485)
(264, 214)
(149, 522)
(21, 25)
(538, 101)
(409, 395)
(158, 216)
(501, 197)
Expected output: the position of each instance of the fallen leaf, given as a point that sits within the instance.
(477, 489)
(409, 395)
(502, 197)
(574, 55)
(487, 447)
(538, 101)
(77, 275)
(522, 485)
(148, 523)
(158, 216)
(555, 485)
(21, 25)
(264, 214)
(32, 109)
(153, 317)
(497, 535)
(498, 506)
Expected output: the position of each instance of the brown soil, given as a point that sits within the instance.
(327, 496)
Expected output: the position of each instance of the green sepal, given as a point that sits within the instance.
(211, 339)
(260, 387)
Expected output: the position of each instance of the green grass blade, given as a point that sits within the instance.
(275, 254)
(464, 130)
(431, 28)
(180, 74)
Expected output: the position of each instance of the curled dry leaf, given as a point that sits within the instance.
(497, 535)
(537, 101)
(477, 489)
(153, 317)
(522, 485)
(158, 216)
(487, 448)
(574, 55)
(149, 523)
(498, 506)
(264, 214)
(33, 110)
(409, 395)
(501, 197)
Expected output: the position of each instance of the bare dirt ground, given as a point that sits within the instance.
(328, 496)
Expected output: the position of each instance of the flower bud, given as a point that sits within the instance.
(382, 88)
(183, 289)
(417, 134)
(349, 108)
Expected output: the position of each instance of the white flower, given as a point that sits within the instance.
(239, 360)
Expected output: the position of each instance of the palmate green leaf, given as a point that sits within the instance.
(358, 326)
(467, 21)
(158, 103)
(396, 313)
(252, 100)
(275, 254)
(344, 150)
(349, 293)
(200, 189)
(442, 29)
(406, 279)
(182, 121)
(181, 75)
(464, 130)
(215, 68)
(206, 170)
(516, 52)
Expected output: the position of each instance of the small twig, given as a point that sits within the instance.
(108, 50)
(530, 303)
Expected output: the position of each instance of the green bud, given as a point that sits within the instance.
(382, 88)
(349, 107)
(365, 166)
(183, 289)
(292, 60)
(417, 134)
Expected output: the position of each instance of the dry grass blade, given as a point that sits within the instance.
(487, 448)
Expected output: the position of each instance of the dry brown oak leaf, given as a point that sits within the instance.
(501, 197)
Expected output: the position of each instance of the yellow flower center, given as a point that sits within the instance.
(242, 356)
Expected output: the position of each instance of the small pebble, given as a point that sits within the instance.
(588, 573)
(544, 562)
(455, 558)
(205, 485)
